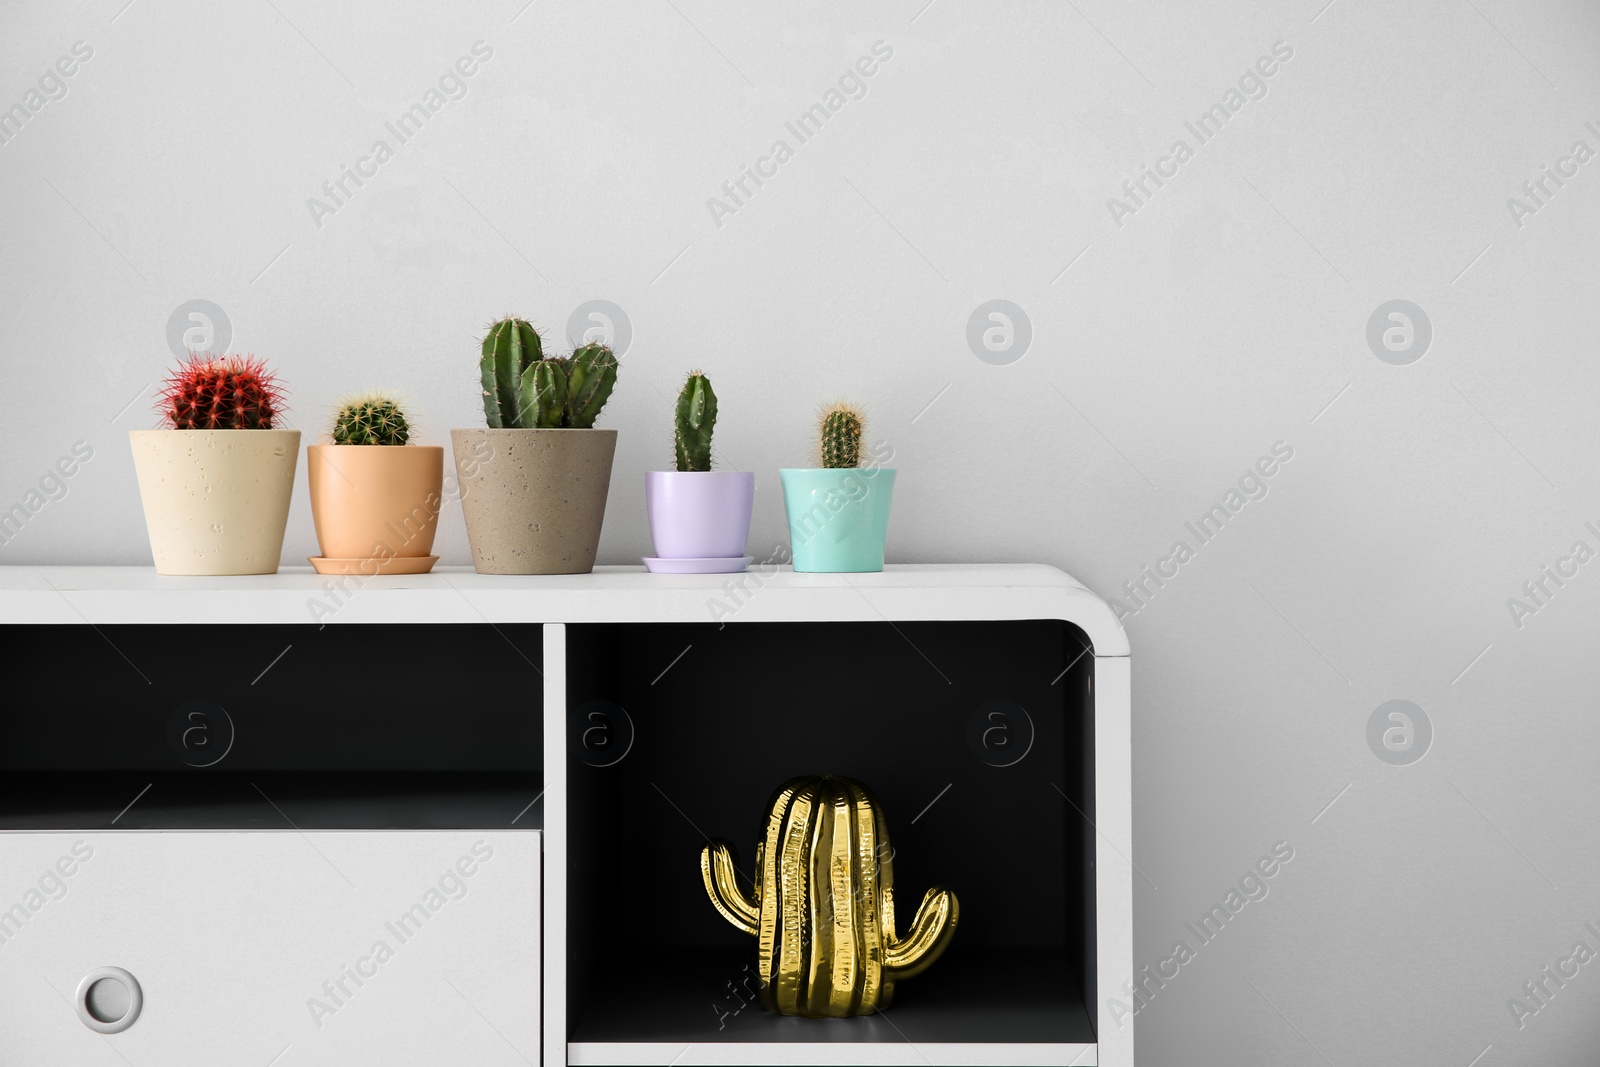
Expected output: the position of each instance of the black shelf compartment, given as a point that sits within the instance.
(346, 726)
(719, 717)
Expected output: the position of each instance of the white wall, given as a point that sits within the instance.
(1224, 316)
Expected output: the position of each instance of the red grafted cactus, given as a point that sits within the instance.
(210, 392)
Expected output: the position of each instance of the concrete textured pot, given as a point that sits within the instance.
(699, 514)
(838, 517)
(534, 500)
(215, 501)
(378, 502)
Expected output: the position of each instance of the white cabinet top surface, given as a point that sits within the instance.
(900, 593)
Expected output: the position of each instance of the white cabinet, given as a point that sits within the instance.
(275, 948)
(267, 947)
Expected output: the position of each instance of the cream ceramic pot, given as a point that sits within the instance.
(215, 501)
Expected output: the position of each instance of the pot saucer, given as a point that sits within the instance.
(374, 567)
(726, 565)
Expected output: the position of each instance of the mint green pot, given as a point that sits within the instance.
(838, 518)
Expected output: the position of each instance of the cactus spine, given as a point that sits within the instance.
(696, 418)
(210, 392)
(370, 420)
(822, 908)
(840, 443)
(522, 389)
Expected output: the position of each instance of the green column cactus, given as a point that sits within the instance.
(510, 350)
(370, 420)
(840, 442)
(696, 417)
(591, 375)
(542, 398)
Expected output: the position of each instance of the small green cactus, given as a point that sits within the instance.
(696, 418)
(591, 375)
(370, 420)
(840, 444)
(522, 389)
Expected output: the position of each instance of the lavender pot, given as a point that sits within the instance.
(699, 514)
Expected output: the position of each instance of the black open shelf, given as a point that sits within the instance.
(405, 726)
(718, 718)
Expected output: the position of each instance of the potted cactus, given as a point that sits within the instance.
(536, 504)
(216, 482)
(838, 511)
(375, 497)
(699, 518)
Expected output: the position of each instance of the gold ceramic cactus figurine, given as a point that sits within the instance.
(822, 908)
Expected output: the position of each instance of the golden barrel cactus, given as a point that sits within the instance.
(822, 907)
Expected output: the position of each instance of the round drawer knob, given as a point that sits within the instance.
(109, 1000)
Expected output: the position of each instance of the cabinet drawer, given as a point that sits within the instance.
(268, 947)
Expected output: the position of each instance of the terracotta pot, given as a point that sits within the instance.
(215, 501)
(377, 503)
(534, 500)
